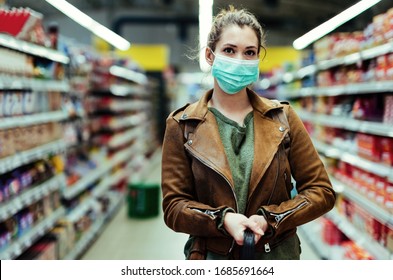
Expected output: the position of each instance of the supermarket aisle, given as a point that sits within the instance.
(147, 239)
(127, 238)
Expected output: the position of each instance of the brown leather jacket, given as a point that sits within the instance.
(197, 184)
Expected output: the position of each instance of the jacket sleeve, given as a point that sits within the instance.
(182, 211)
(315, 193)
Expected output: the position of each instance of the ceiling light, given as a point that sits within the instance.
(90, 24)
(205, 24)
(333, 23)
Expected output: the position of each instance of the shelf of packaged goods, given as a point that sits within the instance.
(100, 172)
(96, 228)
(84, 242)
(29, 196)
(17, 247)
(348, 89)
(121, 106)
(81, 209)
(359, 237)
(120, 122)
(128, 74)
(377, 211)
(381, 129)
(330, 63)
(10, 82)
(313, 235)
(355, 160)
(88, 179)
(123, 138)
(25, 157)
(109, 181)
(123, 90)
(28, 120)
(33, 49)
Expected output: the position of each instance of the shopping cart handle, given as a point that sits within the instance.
(248, 249)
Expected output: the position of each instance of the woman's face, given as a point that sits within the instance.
(238, 42)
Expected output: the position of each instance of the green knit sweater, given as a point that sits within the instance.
(238, 143)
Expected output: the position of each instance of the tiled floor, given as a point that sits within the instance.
(127, 238)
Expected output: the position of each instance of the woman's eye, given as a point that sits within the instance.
(250, 53)
(229, 50)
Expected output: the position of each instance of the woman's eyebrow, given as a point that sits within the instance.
(235, 46)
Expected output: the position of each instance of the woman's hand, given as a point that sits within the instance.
(235, 224)
(262, 225)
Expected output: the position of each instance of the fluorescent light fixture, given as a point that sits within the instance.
(333, 23)
(205, 24)
(90, 24)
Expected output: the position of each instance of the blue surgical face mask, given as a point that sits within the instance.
(233, 74)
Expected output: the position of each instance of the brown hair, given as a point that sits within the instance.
(232, 16)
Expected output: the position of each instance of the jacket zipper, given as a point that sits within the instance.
(280, 217)
(210, 213)
(230, 186)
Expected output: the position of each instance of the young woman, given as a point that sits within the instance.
(226, 166)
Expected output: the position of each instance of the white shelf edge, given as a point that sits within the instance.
(33, 49)
(25, 157)
(28, 120)
(10, 82)
(376, 168)
(381, 129)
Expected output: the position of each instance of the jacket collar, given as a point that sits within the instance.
(198, 110)
(207, 146)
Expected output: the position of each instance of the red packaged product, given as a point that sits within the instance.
(381, 184)
(387, 150)
(387, 237)
(388, 25)
(382, 67)
(389, 196)
(368, 147)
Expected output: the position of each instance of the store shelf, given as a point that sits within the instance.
(330, 63)
(120, 139)
(80, 210)
(379, 213)
(109, 181)
(123, 90)
(121, 122)
(128, 74)
(348, 89)
(85, 240)
(17, 247)
(88, 179)
(376, 128)
(33, 49)
(359, 237)
(9, 82)
(313, 235)
(25, 157)
(96, 228)
(28, 120)
(335, 152)
(26, 198)
(100, 172)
